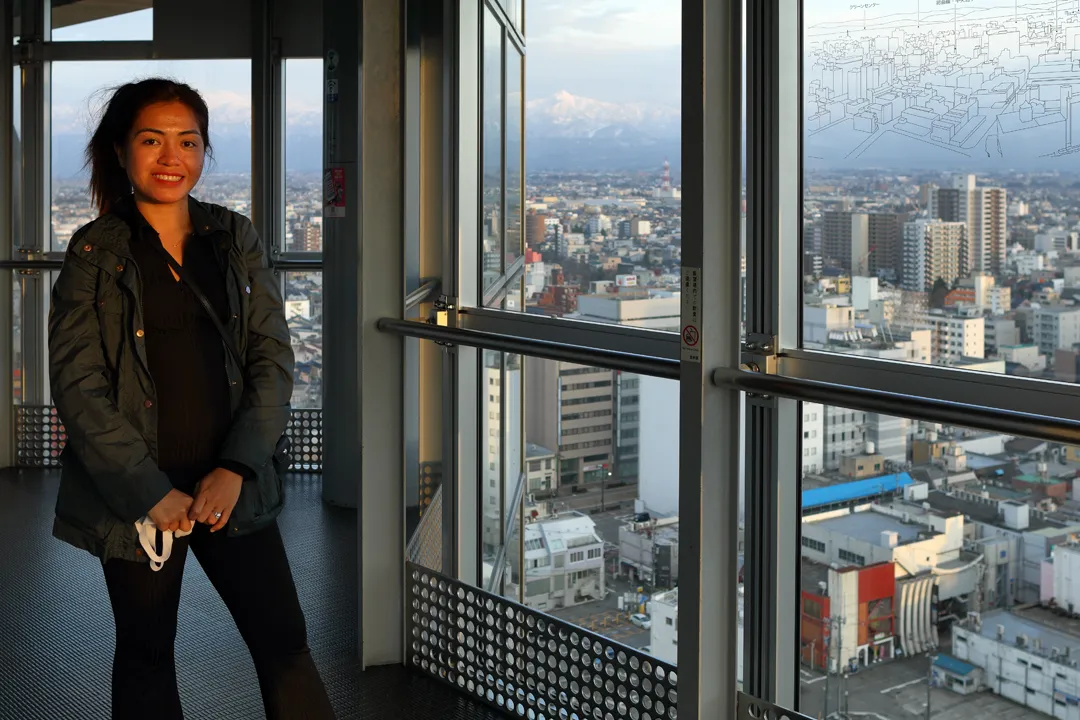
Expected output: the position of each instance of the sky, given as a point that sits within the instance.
(631, 49)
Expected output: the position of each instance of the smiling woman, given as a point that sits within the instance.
(161, 157)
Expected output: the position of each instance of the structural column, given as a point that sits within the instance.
(709, 416)
(382, 530)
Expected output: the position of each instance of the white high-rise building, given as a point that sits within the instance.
(813, 440)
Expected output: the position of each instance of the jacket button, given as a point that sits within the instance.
(248, 289)
(88, 247)
(119, 268)
(139, 332)
(148, 403)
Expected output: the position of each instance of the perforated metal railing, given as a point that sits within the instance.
(750, 708)
(526, 663)
(40, 437)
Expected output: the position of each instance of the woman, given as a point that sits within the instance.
(163, 425)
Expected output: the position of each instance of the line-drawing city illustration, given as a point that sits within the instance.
(973, 82)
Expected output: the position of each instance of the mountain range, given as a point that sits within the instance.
(563, 132)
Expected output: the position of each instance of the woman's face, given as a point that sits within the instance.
(164, 153)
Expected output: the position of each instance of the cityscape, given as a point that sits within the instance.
(980, 273)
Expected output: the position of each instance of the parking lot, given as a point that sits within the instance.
(897, 691)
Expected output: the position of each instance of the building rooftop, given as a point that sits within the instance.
(953, 666)
(855, 490)
(537, 451)
(1036, 625)
(868, 526)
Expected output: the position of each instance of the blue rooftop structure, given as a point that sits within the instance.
(855, 490)
(951, 665)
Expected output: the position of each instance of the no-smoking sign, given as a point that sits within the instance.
(690, 335)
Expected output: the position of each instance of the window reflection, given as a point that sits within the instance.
(514, 148)
(491, 221)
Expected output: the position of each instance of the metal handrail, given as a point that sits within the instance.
(582, 355)
(31, 264)
(903, 405)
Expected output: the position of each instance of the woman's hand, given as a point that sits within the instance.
(171, 512)
(215, 497)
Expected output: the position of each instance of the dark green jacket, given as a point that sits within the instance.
(105, 396)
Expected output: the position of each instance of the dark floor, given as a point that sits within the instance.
(56, 632)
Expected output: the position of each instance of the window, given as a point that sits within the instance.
(79, 93)
(851, 557)
(595, 553)
(603, 216)
(97, 20)
(304, 310)
(577, 556)
(812, 544)
(303, 155)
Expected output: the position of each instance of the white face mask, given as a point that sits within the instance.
(148, 539)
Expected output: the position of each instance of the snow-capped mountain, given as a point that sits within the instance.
(571, 116)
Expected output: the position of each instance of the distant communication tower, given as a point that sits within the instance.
(665, 179)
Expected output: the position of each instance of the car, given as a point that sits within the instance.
(642, 621)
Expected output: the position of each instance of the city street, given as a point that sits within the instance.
(897, 691)
(585, 502)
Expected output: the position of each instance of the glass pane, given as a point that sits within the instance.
(491, 462)
(937, 194)
(934, 552)
(103, 20)
(514, 188)
(492, 161)
(514, 481)
(79, 93)
(515, 13)
(603, 223)
(602, 532)
(16, 161)
(304, 310)
(303, 155)
(16, 338)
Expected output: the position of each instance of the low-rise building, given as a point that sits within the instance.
(564, 563)
(649, 551)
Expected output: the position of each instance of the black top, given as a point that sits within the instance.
(185, 354)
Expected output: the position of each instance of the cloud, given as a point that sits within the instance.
(604, 24)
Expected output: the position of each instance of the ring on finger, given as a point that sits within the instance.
(217, 515)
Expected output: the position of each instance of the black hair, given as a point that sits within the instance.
(108, 179)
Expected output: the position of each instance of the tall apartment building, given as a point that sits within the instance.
(571, 410)
(813, 440)
(985, 210)
(933, 250)
(862, 243)
(307, 236)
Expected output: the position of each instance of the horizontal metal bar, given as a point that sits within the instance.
(570, 331)
(1008, 392)
(31, 264)
(421, 294)
(582, 355)
(298, 265)
(978, 417)
(77, 50)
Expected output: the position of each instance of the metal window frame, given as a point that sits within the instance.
(7, 318)
(773, 308)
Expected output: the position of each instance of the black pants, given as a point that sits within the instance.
(252, 575)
